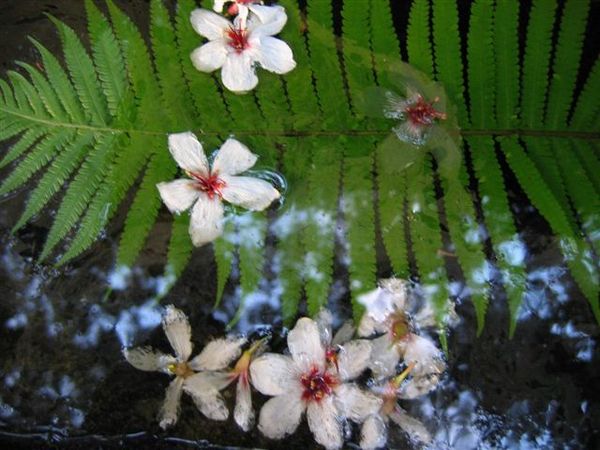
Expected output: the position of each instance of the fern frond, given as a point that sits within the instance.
(46, 93)
(27, 100)
(589, 158)
(537, 61)
(506, 50)
(587, 108)
(481, 71)
(224, 253)
(418, 40)
(384, 41)
(22, 145)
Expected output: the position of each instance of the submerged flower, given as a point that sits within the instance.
(417, 114)
(306, 381)
(390, 310)
(208, 186)
(237, 47)
(238, 8)
(196, 376)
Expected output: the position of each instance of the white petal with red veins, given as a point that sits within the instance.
(177, 328)
(188, 153)
(238, 74)
(275, 55)
(243, 412)
(209, 24)
(325, 423)
(353, 358)
(169, 410)
(249, 192)
(304, 343)
(204, 388)
(178, 195)
(271, 19)
(373, 433)
(356, 404)
(232, 158)
(280, 416)
(218, 354)
(273, 374)
(148, 359)
(206, 223)
(211, 56)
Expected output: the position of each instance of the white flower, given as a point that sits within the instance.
(305, 381)
(208, 186)
(237, 48)
(390, 310)
(238, 8)
(203, 386)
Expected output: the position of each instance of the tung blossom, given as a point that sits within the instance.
(236, 48)
(306, 381)
(391, 311)
(200, 377)
(207, 187)
(238, 8)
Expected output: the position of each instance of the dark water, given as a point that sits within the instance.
(64, 383)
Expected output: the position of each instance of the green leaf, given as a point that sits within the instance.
(418, 40)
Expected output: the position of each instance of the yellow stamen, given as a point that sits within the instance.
(397, 381)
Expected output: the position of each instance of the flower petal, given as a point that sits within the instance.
(275, 55)
(280, 416)
(424, 353)
(304, 343)
(353, 358)
(324, 321)
(413, 427)
(204, 389)
(178, 195)
(243, 412)
(188, 153)
(218, 354)
(169, 411)
(218, 5)
(373, 433)
(273, 374)
(206, 223)
(211, 56)
(344, 334)
(209, 24)
(249, 192)
(271, 19)
(384, 357)
(238, 74)
(324, 422)
(232, 158)
(356, 404)
(179, 333)
(148, 359)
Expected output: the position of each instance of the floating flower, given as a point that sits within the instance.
(203, 386)
(237, 48)
(238, 8)
(389, 310)
(207, 186)
(305, 381)
(417, 114)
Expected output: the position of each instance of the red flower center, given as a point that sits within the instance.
(238, 39)
(400, 327)
(317, 384)
(331, 355)
(211, 184)
(422, 112)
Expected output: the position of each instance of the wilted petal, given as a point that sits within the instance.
(418, 386)
(398, 289)
(243, 412)
(148, 359)
(325, 423)
(280, 416)
(273, 374)
(324, 322)
(369, 326)
(177, 328)
(384, 357)
(271, 19)
(353, 358)
(249, 192)
(211, 56)
(304, 343)
(188, 153)
(218, 354)
(209, 24)
(204, 389)
(178, 195)
(356, 404)
(423, 352)
(413, 427)
(373, 433)
(238, 74)
(344, 334)
(206, 223)
(169, 410)
(275, 55)
(232, 158)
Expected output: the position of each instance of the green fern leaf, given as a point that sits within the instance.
(587, 108)
(27, 100)
(588, 158)
(224, 256)
(418, 41)
(25, 142)
(46, 93)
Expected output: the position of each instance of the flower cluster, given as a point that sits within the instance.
(237, 46)
(318, 376)
(208, 185)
